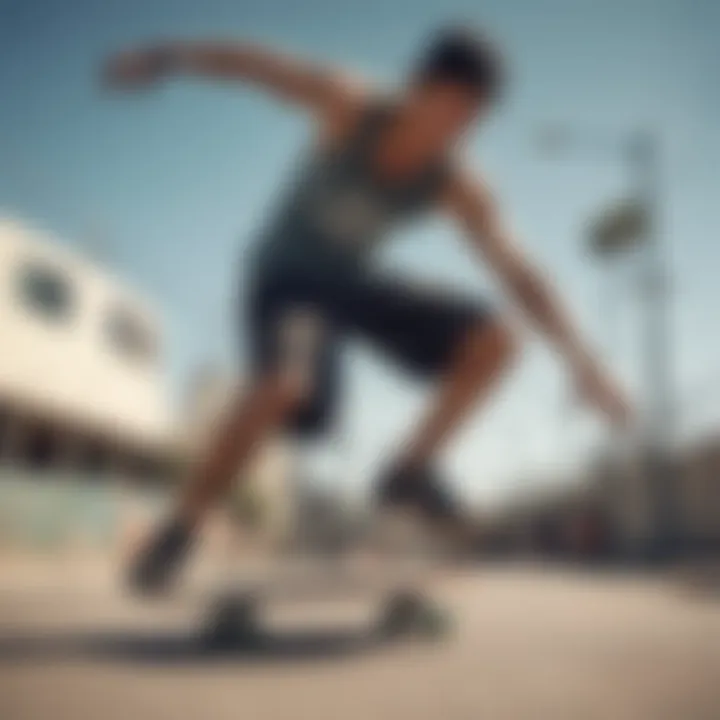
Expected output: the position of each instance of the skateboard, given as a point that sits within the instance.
(394, 569)
(393, 576)
(235, 618)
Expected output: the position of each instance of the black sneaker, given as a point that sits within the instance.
(420, 490)
(157, 565)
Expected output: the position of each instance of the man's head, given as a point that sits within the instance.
(457, 78)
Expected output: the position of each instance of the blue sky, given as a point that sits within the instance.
(173, 185)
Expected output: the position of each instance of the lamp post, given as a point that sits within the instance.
(633, 225)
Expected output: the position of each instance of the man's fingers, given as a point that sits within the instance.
(604, 398)
(127, 70)
(117, 72)
(618, 411)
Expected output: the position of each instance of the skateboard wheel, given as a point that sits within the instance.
(433, 623)
(409, 614)
(232, 623)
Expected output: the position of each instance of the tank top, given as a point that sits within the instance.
(338, 211)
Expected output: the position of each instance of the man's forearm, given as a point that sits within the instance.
(232, 61)
(474, 205)
(248, 62)
(541, 303)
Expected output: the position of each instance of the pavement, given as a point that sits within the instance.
(532, 643)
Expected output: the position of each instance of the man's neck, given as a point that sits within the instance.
(404, 146)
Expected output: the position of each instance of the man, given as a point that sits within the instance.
(376, 162)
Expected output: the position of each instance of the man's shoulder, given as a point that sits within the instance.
(352, 102)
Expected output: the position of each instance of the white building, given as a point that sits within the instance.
(82, 373)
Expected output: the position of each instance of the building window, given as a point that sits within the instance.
(45, 290)
(130, 335)
(94, 458)
(40, 447)
(5, 427)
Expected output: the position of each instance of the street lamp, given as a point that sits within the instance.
(633, 225)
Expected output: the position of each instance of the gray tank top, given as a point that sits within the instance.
(338, 210)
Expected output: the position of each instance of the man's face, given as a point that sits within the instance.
(445, 110)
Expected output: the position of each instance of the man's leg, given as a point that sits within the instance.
(293, 349)
(474, 371)
(460, 345)
(249, 421)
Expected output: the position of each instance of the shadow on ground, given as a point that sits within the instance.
(175, 648)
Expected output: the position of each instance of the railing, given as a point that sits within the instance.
(50, 510)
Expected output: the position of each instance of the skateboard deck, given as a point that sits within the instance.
(236, 620)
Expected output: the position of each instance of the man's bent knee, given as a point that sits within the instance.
(288, 389)
(491, 342)
(306, 409)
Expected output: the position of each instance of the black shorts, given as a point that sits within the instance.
(298, 319)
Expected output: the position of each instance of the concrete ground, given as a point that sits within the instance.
(531, 644)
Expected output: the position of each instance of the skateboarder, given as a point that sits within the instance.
(377, 161)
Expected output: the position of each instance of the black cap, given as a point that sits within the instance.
(465, 56)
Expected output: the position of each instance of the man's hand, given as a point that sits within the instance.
(137, 69)
(599, 392)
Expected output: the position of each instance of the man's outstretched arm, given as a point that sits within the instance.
(317, 88)
(470, 202)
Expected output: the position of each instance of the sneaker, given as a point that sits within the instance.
(157, 565)
(419, 489)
